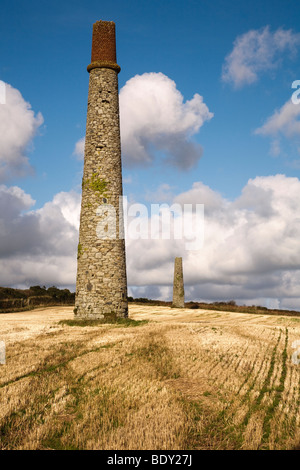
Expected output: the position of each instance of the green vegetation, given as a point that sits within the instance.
(13, 300)
(96, 184)
(124, 322)
(278, 394)
(79, 250)
(160, 357)
(36, 291)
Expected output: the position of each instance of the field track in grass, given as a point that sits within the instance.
(171, 379)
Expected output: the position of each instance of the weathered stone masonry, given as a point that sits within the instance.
(178, 286)
(101, 287)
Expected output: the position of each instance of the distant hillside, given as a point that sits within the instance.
(228, 306)
(12, 300)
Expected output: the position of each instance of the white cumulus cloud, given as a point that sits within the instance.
(79, 148)
(155, 118)
(251, 249)
(257, 51)
(18, 126)
(38, 246)
(284, 121)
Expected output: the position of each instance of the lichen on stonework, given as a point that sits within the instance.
(79, 250)
(96, 184)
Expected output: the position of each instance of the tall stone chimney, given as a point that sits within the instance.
(101, 288)
(178, 286)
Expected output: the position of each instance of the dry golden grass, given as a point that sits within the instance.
(187, 379)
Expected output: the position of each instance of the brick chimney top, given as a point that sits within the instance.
(104, 46)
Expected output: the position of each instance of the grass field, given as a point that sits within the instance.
(170, 379)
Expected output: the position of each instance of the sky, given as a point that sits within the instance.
(208, 116)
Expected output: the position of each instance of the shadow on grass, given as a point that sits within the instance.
(122, 322)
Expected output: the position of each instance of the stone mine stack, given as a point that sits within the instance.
(101, 289)
(178, 287)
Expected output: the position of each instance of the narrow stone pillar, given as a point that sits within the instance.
(178, 286)
(101, 288)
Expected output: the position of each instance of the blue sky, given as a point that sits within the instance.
(203, 47)
(46, 47)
